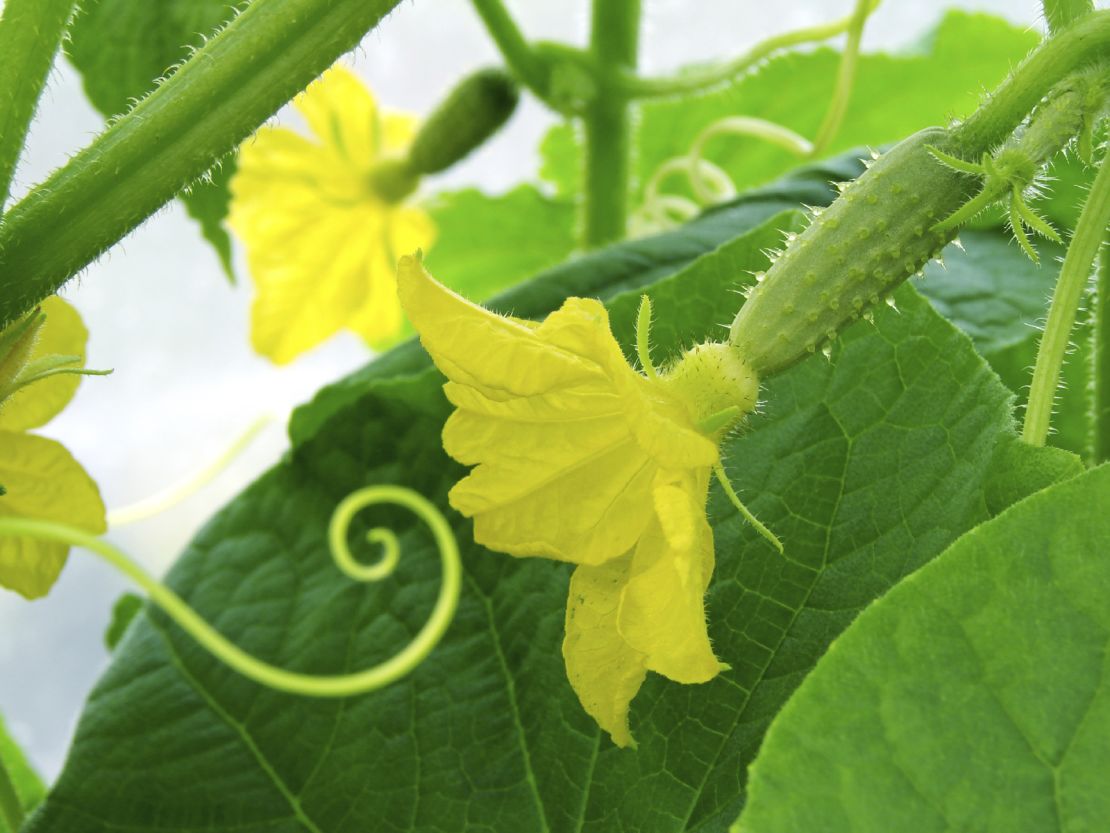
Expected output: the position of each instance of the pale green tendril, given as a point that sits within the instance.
(176, 493)
(271, 676)
(710, 184)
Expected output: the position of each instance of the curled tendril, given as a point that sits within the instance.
(708, 182)
(343, 685)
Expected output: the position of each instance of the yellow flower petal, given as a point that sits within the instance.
(43, 481)
(341, 111)
(552, 417)
(63, 333)
(321, 245)
(398, 131)
(662, 611)
(603, 669)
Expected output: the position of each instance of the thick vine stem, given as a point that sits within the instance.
(343, 685)
(1086, 41)
(614, 45)
(220, 95)
(1084, 247)
(30, 31)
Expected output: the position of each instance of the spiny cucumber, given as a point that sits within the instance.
(854, 253)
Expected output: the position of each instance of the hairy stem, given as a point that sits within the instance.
(1062, 13)
(222, 93)
(1085, 42)
(518, 55)
(614, 44)
(1089, 233)
(1100, 360)
(30, 31)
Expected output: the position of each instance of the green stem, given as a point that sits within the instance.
(1062, 13)
(30, 31)
(614, 44)
(519, 56)
(222, 93)
(11, 809)
(280, 679)
(1100, 357)
(634, 86)
(1085, 243)
(845, 76)
(1088, 40)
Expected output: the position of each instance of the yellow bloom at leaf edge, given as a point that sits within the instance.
(321, 243)
(581, 458)
(40, 478)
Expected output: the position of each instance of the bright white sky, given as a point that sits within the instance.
(186, 383)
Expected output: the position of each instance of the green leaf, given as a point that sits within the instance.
(1018, 470)
(124, 611)
(996, 295)
(28, 786)
(146, 40)
(972, 697)
(207, 202)
(486, 244)
(866, 467)
(894, 95)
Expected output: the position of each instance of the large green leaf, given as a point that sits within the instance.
(867, 467)
(894, 95)
(26, 782)
(974, 696)
(122, 47)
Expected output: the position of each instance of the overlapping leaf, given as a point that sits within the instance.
(972, 697)
(866, 467)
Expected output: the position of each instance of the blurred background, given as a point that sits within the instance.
(186, 382)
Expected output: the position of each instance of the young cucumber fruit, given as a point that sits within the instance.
(474, 111)
(856, 251)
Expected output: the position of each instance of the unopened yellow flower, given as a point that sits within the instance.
(581, 458)
(321, 241)
(39, 357)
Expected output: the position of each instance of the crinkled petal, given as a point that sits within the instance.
(604, 671)
(472, 346)
(62, 334)
(662, 611)
(43, 482)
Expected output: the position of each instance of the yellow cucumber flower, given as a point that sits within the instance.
(579, 457)
(321, 240)
(40, 359)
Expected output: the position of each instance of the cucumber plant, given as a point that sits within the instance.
(270, 681)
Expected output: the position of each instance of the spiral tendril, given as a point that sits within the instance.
(272, 676)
